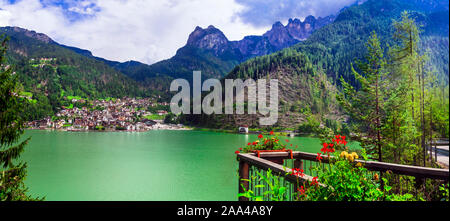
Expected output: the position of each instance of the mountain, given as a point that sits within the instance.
(302, 91)
(335, 46)
(308, 72)
(49, 72)
(209, 50)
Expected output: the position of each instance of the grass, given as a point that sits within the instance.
(155, 117)
(26, 94)
(74, 97)
(213, 130)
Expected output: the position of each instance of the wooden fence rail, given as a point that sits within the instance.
(265, 162)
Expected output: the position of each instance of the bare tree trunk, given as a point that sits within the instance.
(378, 121)
(422, 111)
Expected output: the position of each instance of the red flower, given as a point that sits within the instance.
(271, 132)
(331, 145)
(287, 140)
(249, 144)
(237, 151)
(260, 136)
(319, 158)
(324, 148)
(344, 142)
(343, 137)
(314, 181)
(337, 136)
(297, 172)
(240, 148)
(294, 171)
(291, 145)
(254, 143)
(301, 190)
(265, 142)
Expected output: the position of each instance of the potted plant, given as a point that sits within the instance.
(267, 144)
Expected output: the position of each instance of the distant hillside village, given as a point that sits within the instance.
(127, 114)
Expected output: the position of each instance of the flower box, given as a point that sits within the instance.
(278, 161)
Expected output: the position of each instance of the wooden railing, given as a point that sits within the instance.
(266, 162)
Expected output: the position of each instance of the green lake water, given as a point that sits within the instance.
(154, 165)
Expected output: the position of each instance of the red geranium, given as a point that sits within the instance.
(324, 148)
(271, 132)
(319, 158)
(314, 181)
(260, 136)
(301, 190)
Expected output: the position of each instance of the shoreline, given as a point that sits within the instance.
(154, 127)
(174, 127)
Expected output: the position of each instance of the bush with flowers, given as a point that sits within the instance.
(342, 179)
(270, 142)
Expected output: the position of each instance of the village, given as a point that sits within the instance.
(126, 114)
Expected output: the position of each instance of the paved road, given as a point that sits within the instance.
(442, 155)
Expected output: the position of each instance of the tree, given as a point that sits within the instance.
(12, 173)
(407, 61)
(365, 105)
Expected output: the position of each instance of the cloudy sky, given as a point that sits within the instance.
(152, 30)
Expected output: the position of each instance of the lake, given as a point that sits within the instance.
(155, 165)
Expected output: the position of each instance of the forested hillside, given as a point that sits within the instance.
(305, 94)
(49, 73)
(336, 46)
(329, 55)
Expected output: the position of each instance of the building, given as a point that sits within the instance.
(243, 129)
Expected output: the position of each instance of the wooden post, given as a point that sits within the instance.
(298, 164)
(419, 182)
(243, 174)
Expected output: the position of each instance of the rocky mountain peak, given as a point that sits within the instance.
(279, 36)
(209, 38)
(310, 19)
(301, 30)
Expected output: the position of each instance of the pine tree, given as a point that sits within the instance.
(365, 105)
(12, 173)
(409, 62)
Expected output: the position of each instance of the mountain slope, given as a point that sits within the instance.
(308, 71)
(335, 46)
(49, 72)
(303, 91)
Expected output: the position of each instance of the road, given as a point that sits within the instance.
(442, 155)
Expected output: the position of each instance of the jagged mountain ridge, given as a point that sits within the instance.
(209, 50)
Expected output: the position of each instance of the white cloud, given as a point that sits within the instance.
(142, 30)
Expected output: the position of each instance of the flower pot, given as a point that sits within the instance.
(278, 161)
